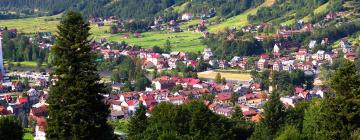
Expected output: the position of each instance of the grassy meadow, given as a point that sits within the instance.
(239, 20)
(181, 41)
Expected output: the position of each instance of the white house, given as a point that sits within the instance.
(320, 55)
(187, 16)
(312, 44)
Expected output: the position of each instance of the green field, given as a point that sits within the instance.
(239, 20)
(181, 41)
(33, 25)
(27, 64)
(321, 9)
(28, 135)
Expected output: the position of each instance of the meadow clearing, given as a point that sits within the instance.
(181, 41)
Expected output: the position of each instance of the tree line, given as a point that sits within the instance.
(126, 9)
(19, 47)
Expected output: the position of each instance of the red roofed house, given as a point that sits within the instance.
(226, 111)
(262, 64)
(164, 83)
(223, 98)
(350, 56)
(264, 56)
(132, 105)
(22, 100)
(185, 82)
(148, 100)
(301, 55)
(249, 114)
(246, 97)
(178, 100)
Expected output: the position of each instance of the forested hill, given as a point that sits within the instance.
(137, 9)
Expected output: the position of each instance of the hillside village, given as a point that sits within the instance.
(25, 93)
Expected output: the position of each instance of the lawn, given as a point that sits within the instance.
(180, 41)
(33, 25)
(119, 125)
(28, 135)
(30, 64)
(321, 9)
(227, 75)
(239, 20)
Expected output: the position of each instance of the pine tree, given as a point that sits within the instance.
(76, 109)
(273, 118)
(340, 112)
(167, 48)
(10, 128)
(290, 133)
(218, 78)
(357, 60)
(138, 123)
(241, 128)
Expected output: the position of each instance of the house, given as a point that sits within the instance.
(128, 96)
(289, 101)
(301, 55)
(226, 111)
(277, 66)
(304, 95)
(132, 105)
(249, 114)
(346, 46)
(320, 93)
(312, 44)
(148, 100)
(331, 16)
(350, 56)
(243, 99)
(33, 96)
(148, 65)
(214, 106)
(262, 64)
(325, 41)
(186, 82)
(320, 55)
(41, 82)
(276, 50)
(178, 99)
(329, 57)
(223, 98)
(223, 64)
(164, 83)
(187, 16)
(255, 87)
(235, 61)
(264, 56)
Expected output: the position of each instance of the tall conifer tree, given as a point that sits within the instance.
(76, 108)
